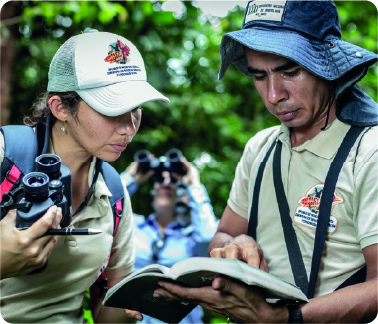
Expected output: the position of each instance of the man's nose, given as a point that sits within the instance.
(277, 91)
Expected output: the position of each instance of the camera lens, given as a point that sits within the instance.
(49, 164)
(36, 186)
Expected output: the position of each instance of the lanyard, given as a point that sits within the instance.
(295, 256)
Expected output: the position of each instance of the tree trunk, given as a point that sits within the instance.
(7, 53)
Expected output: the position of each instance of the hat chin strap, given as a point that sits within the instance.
(331, 98)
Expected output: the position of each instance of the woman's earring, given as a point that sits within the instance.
(63, 126)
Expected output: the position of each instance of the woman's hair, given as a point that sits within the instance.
(41, 109)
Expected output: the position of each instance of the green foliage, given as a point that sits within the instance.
(181, 53)
(88, 319)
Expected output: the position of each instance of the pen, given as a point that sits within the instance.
(73, 231)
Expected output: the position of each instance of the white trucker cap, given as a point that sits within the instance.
(105, 69)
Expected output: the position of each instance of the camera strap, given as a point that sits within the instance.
(43, 136)
(91, 188)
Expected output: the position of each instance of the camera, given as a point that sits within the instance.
(50, 185)
(170, 162)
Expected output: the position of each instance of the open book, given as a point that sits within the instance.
(136, 291)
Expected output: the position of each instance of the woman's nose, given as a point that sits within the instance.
(128, 124)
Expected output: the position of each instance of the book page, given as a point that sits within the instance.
(152, 268)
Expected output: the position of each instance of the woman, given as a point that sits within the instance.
(97, 84)
(173, 232)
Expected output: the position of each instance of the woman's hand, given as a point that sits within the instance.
(27, 250)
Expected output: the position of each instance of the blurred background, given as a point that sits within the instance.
(209, 120)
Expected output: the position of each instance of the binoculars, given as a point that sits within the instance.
(50, 185)
(170, 162)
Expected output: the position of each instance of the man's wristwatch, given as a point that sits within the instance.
(295, 313)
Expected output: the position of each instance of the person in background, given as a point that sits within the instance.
(181, 225)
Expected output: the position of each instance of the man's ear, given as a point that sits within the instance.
(57, 108)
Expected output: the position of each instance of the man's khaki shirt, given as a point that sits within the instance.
(354, 216)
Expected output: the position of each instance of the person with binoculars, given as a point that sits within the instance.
(88, 115)
(182, 223)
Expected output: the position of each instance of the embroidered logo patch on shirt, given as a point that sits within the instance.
(307, 211)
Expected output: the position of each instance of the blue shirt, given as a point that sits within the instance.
(180, 242)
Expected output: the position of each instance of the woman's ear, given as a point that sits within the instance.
(57, 108)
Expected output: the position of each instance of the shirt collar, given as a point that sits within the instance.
(325, 144)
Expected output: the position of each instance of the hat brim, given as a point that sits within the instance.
(321, 58)
(119, 98)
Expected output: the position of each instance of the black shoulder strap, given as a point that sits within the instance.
(295, 256)
(43, 136)
(327, 200)
(252, 224)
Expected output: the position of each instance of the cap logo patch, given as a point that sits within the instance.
(118, 53)
(265, 10)
(307, 211)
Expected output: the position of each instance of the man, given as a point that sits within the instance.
(306, 77)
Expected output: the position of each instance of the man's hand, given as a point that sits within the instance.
(135, 171)
(243, 248)
(233, 299)
(27, 250)
(192, 176)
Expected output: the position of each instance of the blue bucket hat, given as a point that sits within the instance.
(309, 33)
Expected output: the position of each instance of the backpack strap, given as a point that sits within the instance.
(19, 156)
(113, 182)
